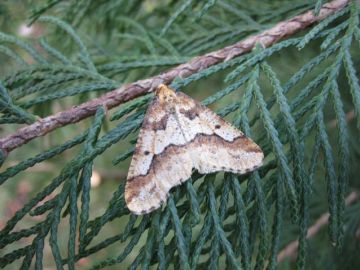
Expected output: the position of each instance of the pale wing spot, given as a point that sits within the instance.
(219, 126)
(142, 159)
(170, 136)
(142, 165)
(146, 140)
(193, 127)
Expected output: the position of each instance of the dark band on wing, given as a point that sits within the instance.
(134, 184)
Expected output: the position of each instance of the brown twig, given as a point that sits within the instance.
(291, 249)
(133, 90)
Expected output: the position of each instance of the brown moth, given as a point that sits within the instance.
(178, 135)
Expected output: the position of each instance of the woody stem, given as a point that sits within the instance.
(142, 87)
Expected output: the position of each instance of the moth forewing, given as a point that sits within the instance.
(178, 135)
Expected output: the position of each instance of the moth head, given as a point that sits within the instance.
(165, 94)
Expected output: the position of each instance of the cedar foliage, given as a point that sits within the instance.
(286, 98)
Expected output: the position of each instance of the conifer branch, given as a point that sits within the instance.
(290, 250)
(142, 87)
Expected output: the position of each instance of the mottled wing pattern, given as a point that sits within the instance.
(159, 161)
(179, 134)
(218, 146)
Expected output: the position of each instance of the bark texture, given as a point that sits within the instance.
(141, 87)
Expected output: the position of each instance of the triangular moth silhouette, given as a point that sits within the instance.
(178, 135)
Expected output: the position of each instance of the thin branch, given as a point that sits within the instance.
(291, 249)
(141, 87)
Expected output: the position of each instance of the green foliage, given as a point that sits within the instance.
(284, 97)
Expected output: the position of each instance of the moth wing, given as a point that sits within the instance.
(219, 145)
(160, 160)
(177, 135)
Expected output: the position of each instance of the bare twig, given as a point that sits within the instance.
(291, 249)
(133, 90)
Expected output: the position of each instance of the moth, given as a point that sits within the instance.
(178, 135)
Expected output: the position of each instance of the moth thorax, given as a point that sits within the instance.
(165, 94)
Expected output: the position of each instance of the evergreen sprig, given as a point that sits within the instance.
(213, 219)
